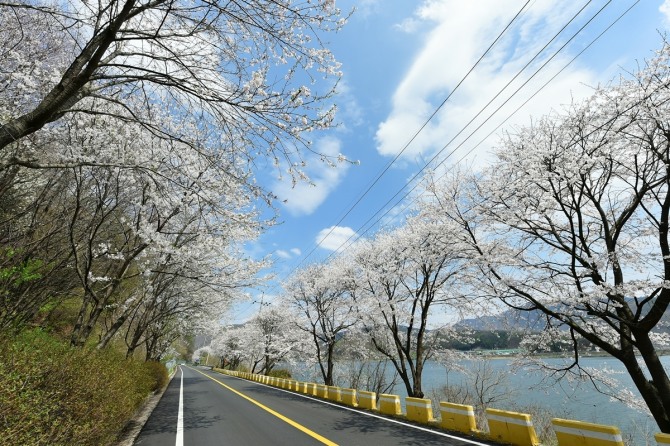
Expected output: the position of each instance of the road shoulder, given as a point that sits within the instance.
(134, 426)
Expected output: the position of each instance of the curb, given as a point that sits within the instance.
(133, 427)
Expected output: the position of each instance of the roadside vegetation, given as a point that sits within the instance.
(129, 149)
(54, 394)
(561, 243)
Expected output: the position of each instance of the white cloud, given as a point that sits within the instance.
(457, 34)
(367, 8)
(348, 108)
(409, 25)
(665, 10)
(335, 237)
(282, 254)
(304, 198)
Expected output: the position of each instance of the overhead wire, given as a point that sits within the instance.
(594, 40)
(361, 232)
(497, 95)
(537, 54)
(482, 140)
(416, 134)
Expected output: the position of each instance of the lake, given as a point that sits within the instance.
(578, 401)
(563, 399)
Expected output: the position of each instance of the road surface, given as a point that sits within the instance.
(222, 410)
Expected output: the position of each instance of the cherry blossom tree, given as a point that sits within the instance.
(155, 115)
(242, 69)
(405, 279)
(572, 221)
(227, 344)
(266, 340)
(277, 338)
(323, 296)
(34, 254)
(173, 303)
(184, 218)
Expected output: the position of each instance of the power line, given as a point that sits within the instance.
(516, 76)
(481, 141)
(554, 37)
(416, 134)
(359, 235)
(548, 82)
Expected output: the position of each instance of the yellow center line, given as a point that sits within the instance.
(298, 426)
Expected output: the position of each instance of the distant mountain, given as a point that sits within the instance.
(509, 320)
(532, 320)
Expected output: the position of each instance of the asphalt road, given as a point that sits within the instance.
(223, 410)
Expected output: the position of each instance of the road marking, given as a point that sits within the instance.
(368, 414)
(298, 426)
(180, 416)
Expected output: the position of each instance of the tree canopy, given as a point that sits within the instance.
(131, 134)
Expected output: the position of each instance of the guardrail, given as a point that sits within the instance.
(511, 428)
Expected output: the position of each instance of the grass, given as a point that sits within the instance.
(53, 394)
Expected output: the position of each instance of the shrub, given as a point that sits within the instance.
(159, 373)
(280, 373)
(52, 394)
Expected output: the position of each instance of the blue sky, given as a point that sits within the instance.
(400, 59)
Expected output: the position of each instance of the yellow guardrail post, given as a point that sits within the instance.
(349, 397)
(334, 394)
(458, 417)
(322, 391)
(419, 410)
(662, 439)
(578, 433)
(367, 400)
(511, 427)
(389, 404)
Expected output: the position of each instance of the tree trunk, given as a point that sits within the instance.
(418, 392)
(115, 327)
(330, 365)
(75, 337)
(655, 391)
(131, 351)
(135, 341)
(81, 335)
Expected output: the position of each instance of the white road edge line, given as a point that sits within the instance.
(351, 409)
(180, 416)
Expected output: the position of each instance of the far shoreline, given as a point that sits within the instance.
(507, 354)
